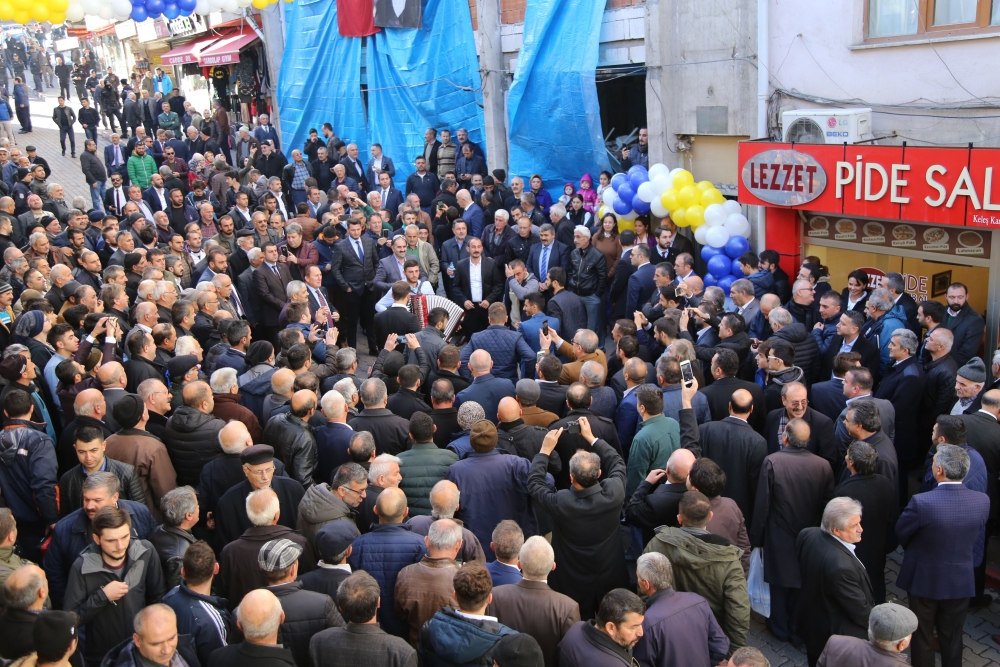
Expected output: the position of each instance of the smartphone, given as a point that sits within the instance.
(284, 251)
(545, 327)
(573, 427)
(686, 373)
(385, 233)
(401, 340)
(678, 291)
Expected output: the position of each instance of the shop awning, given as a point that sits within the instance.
(188, 53)
(227, 50)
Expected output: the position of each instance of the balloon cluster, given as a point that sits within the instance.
(25, 11)
(724, 243)
(58, 11)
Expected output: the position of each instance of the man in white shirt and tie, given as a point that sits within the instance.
(229, 299)
(114, 157)
(319, 305)
(350, 162)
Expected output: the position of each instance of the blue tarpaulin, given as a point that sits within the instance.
(555, 120)
(320, 79)
(424, 78)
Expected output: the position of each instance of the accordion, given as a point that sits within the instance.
(421, 304)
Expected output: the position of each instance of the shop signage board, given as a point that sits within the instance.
(941, 186)
(874, 234)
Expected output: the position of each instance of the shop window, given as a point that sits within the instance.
(898, 20)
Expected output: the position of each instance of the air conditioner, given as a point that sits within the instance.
(827, 126)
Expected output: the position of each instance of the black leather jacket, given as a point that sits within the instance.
(294, 442)
(171, 544)
(588, 271)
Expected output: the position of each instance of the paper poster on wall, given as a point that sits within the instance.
(398, 14)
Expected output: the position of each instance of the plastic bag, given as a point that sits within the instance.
(760, 592)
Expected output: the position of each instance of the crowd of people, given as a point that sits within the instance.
(196, 472)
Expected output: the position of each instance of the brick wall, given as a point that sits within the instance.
(512, 11)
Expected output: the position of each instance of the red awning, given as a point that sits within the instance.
(227, 50)
(188, 53)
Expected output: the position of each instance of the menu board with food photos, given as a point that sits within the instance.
(960, 242)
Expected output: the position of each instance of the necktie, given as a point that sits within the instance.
(544, 268)
(118, 202)
(274, 267)
(322, 304)
(358, 248)
(236, 302)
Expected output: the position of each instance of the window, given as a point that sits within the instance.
(895, 20)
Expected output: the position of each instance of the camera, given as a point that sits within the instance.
(573, 427)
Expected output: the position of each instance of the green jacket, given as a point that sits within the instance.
(141, 170)
(169, 121)
(711, 568)
(9, 561)
(423, 466)
(654, 442)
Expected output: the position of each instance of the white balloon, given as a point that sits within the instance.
(121, 7)
(245, 3)
(647, 192)
(716, 236)
(204, 8)
(715, 214)
(700, 232)
(662, 182)
(106, 12)
(75, 12)
(631, 215)
(92, 7)
(657, 208)
(737, 225)
(657, 169)
(609, 196)
(217, 4)
(231, 6)
(732, 206)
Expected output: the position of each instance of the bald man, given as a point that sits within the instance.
(647, 510)
(113, 380)
(738, 449)
(259, 616)
(26, 589)
(294, 438)
(368, 554)
(516, 437)
(282, 384)
(444, 497)
(146, 317)
(486, 389)
(91, 409)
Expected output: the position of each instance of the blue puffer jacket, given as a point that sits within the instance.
(254, 391)
(382, 553)
(881, 334)
(450, 640)
(204, 617)
(71, 536)
(825, 335)
(763, 283)
(507, 349)
(28, 472)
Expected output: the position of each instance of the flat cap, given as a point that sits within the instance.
(334, 538)
(257, 454)
(892, 622)
(70, 288)
(518, 650)
(179, 366)
(278, 554)
(483, 434)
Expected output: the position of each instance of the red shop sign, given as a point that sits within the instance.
(944, 186)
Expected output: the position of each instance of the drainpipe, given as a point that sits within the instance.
(763, 71)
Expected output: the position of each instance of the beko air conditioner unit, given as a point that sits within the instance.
(827, 126)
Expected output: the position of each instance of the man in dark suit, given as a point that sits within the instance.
(857, 386)
(318, 296)
(269, 282)
(156, 195)
(849, 339)
(795, 485)
(385, 166)
(552, 396)
(578, 402)
(354, 169)
(477, 285)
(546, 254)
(864, 423)
(828, 396)
(725, 367)
(564, 305)
(877, 496)
(903, 386)
(431, 146)
(942, 533)
(834, 580)
(244, 287)
(983, 435)
(618, 291)
(657, 499)
(794, 406)
(390, 269)
(397, 319)
(640, 285)
(355, 260)
(115, 158)
(737, 449)
(392, 198)
(964, 322)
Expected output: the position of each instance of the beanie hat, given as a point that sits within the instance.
(974, 370)
(128, 410)
(259, 352)
(13, 367)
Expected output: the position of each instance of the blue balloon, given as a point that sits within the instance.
(139, 13)
(622, 207)
(187, 5)
(638, 169)
(736, 246)
(626, 192)
(638, 178)
(719, 266)
(725, 282)
(709, 280)
(737, 269)
(708, 252)
(639, 206)
(171, 11)
(617, 180)
(154, 8)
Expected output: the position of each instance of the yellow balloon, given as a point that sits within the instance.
(694, 215)
(713, 196)
(705, 185)
(56, 18)
(6, 11)
(260, 4)
(20, 4)
(688, 195)
(40, 13)
(683, 178)
(58, 5)
(626, 224)
(669, 199)
(679, 216)
(22, 16)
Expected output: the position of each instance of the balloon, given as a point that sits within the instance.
(75, 13)
(646, 192)
(732, 206)
(20, 4)
(699, 236)
(6, 11)
(630, 216)
(719, 265)
(677, 215)
(639, 206)
(669, 199)
(171, 11)
(624, 224)
(21, 16)
(737, 269)
(106, 12)
(725, 282)
(187, 5)
(40, 13)
(709, 279)
(736, 246)
(657, 169)
(55, 18)
(708, 252)
(695, 215)
(683, 178)
(92, 7)
(622, 206)
(609, 195)
(231, 6)
(617, 180)
(139, 14)
(705, 185)
(601, 210)
(121, 7)
(154, 8)
(204, 8)
(626, 192)
(59, 5)
(661, 182)
(244, 3)
(637, 178)
(637, 169)
(656, 208)
(712, 196)
(688, 195)
(715, 214)
(737, 225)
(717, 236)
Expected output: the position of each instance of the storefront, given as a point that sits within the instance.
(928, 213)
